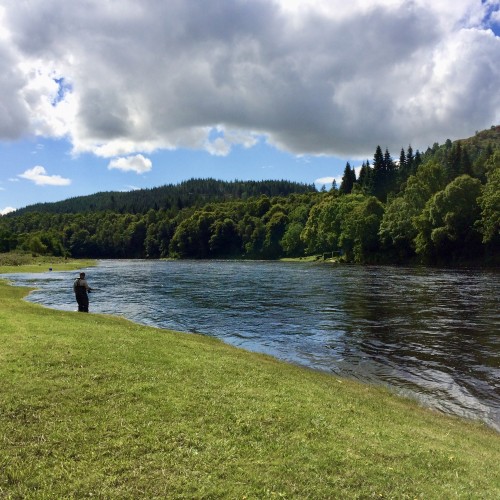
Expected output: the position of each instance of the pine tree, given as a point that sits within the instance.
(402, 161)
(380, 173)
(453, 161)
(348, 179)
(417, 161)
(353, 176)
(390, 173)
(365, 179)
(410, 160)
(402, 172)
(465, 163)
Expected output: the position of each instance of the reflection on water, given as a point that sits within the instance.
(430, 333)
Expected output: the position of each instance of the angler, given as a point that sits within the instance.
(81, 289)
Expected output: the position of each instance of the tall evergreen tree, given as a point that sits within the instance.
(365, 177)
(378, 160)
(406, 165)
(465, 163)
(383, 173)
(402, 161)
(348, 179)
(402, 172)
(417, 161)
(410, 160)
(388, 163)
(453, 161)
(390, 173)
(378, 178)
(353, 176)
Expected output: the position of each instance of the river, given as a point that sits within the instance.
(431, 334)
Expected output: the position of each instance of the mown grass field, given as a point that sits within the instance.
(98, 406)
(13, 262)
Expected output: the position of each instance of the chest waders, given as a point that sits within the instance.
(81, 297)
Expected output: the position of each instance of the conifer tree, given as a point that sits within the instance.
(465, 163)
(402, 161)
(402, 172)
(410, 160)
(353, 176)
(417, 161)
(348, 179)
(383, 173)
(365, 178)
(453, 161)
(378, 178)
(378, 160)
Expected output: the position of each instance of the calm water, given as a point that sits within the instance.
(433, 334)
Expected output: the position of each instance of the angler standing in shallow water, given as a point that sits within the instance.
(81, 288)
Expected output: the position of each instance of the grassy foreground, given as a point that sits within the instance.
(98, 406)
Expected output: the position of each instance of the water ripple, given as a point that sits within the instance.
(432, 334)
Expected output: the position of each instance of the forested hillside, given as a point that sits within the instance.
(441, 206)
(172, 197)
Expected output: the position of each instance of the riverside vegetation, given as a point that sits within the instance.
(441, 206)
(92, 405)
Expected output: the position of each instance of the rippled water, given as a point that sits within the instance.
(433, 334)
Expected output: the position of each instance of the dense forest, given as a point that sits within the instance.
(441, 206)
(173, 197)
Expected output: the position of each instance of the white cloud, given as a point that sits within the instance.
(7, 210)
(218, 147)
(138, 164)
(325, 181)
(322, 181)
(222, 145)
(311, 76)
(494, 9)
(39, 176)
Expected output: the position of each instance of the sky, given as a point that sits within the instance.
(116, 95)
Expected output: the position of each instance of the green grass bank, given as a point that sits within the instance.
(92, 405)
(15, 262)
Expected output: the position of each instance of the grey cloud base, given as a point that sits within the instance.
(149, 75)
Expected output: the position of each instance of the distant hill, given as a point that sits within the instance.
(194, 192)
(468, 155)
(198, 192)
(484, 139)
(480, 143)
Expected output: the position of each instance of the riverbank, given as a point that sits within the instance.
(97, 405)
(15, 262)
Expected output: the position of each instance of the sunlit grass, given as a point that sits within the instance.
(98, 406)
(308, 258)
(13, 262)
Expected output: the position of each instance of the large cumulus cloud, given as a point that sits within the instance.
(318, 77)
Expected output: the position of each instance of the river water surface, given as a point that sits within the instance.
(432, 334)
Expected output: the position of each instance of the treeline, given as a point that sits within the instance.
(251, 228)
(441, 206)
(171, 198)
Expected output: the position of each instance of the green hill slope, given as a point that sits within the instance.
(194, 192)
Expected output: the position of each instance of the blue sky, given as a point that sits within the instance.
(89, 174)
(125, 94)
